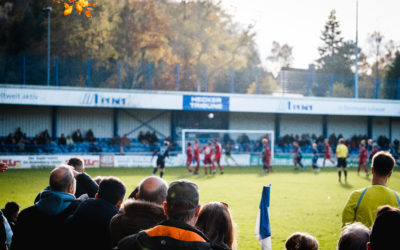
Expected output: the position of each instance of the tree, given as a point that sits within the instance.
(375, 41)
(281, 56)
(392, 78)
(331, 36)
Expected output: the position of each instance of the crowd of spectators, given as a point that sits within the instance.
(148, 138)
(158, 216)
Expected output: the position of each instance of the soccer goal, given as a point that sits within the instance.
(237, 141)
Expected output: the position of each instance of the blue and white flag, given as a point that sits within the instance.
(263, 229)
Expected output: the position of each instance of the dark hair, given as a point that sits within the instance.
(111, 189)
(383, 235)
(77, 163)
(189, 144)
(354, 237)
(61, 177)
(11, 208)
(383, 163)
(301, 241)
(216, 223)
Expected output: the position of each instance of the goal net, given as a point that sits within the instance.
(238, 142)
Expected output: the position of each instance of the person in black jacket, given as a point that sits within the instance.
(84, 183)
(142, 211)
(41, 226)
(178, 231)
(92, 219)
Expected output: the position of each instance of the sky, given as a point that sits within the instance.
(299, 23)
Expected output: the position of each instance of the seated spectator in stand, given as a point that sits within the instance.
(143, 212)
(363, 203)
(11, 211)
(301, 241)
(91, 219)
(84, 183)
(77, 136)
(18, 135)
(385, 231)
(147, 139)
(41, 226)
(354, 237)
(94, 148)
(141, 137)
(70, 143)
(153, 138)
(178, 231)
(90, 136)
(216, 222)
(62, 141)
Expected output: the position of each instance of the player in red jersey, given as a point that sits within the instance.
(266, 156)
(217, 156)
(189, 157)
(196, 155)
(362, 158)
(208, 151)
(328, 153)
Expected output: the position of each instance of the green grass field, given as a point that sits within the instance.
(300, 201)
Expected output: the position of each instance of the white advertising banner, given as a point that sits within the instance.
(45, 161)
(170, 100)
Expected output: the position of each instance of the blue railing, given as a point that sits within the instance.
(32, 70)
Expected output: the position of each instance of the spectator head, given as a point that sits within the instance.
(11, 210)
(62, 179)
(341, 141)
(384, 231)
(301, 241)
(382, 164)
(216, 223)
(77, 163)
(182, 202)
(354, 237)
(111, 189)
(98, 179)
(152, 189)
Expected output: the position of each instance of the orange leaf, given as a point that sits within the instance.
(83, 3)
(87, 13)
(71, 1)
(78, 8)
(68, 9)
(90, 9)
(92, 4)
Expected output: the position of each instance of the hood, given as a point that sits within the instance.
(54, 203)
(132, 207)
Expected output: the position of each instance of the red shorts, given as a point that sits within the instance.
(217, 157)
(189, 160)
(362, 162)
(207, 160)
(327, 156)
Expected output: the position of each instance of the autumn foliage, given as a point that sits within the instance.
(80, 5)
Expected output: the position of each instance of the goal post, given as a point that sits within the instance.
(241, 141)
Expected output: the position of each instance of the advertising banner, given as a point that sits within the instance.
(45, 161)
(207, 103)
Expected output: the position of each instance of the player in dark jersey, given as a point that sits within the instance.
(315, 157)
(297, 156)
(161, 153)
(189, 157)
(228, 154)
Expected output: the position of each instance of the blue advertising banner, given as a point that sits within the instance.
(211, 103)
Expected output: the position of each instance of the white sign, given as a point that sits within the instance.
(45, 161)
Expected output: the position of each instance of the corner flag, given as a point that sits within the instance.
(263, 230)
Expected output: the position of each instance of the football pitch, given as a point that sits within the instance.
(300, 201)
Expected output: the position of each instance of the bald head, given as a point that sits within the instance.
(62, 179)
(153, 189)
